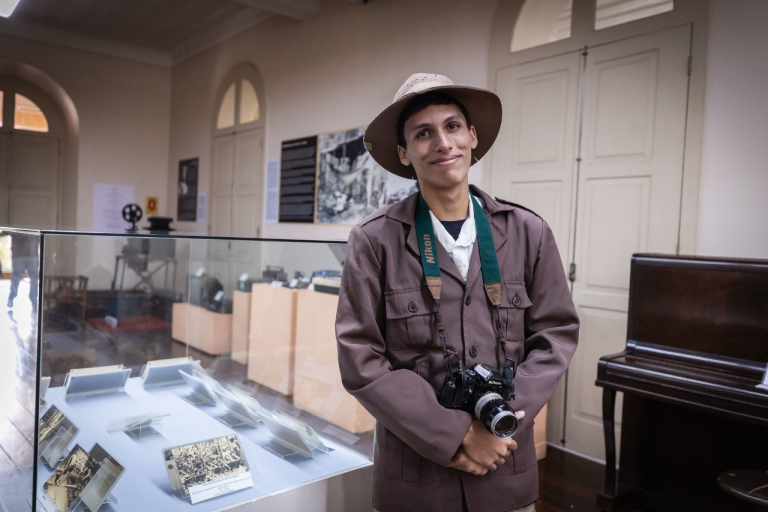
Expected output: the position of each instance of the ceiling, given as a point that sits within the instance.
(158, 25)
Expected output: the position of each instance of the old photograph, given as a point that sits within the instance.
(70, 478)
(351, 185)
(98, 488)
(50, 423)
(206, 461)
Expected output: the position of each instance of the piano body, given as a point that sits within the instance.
(697, 347)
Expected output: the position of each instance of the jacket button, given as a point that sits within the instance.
(473, 351)
(468, 301)
(516, 301)
(412, 307)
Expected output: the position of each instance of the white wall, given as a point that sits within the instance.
(733, 207)
(332, 72)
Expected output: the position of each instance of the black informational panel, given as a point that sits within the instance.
(298, 168)
(187, 202)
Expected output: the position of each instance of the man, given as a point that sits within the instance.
(24, 258)
(407, 305)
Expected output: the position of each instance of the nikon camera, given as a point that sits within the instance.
(484, 392)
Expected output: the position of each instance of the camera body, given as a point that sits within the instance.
(483, 391)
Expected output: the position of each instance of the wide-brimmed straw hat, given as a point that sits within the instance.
(484, 109)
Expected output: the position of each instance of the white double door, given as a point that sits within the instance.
(237, 193)
(29, 175)
(593, 142)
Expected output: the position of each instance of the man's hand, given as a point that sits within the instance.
(462, 462)
(486, 449)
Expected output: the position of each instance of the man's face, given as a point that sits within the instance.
(439, 146)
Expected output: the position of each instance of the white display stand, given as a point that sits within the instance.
(144, 485)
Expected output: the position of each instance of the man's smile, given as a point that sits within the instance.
(446, 160)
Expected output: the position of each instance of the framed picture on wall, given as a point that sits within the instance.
(350, 184)
(187, 190)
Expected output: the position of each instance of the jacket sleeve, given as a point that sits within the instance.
(551, 327)
(401, 400)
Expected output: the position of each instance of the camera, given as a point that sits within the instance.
(483, 391)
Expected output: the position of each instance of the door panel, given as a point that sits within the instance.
(4, 156)
(33, 181)
(629, 185)
(534, 155)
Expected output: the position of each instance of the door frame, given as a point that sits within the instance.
(685, 12)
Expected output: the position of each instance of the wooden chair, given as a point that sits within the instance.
(58, 290)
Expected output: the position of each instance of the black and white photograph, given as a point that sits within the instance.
(206, 461)
(98, 488)
(70, 478)
(351, 185)
(187, 189)
(50, 423)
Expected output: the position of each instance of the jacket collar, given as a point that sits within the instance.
(405, 212)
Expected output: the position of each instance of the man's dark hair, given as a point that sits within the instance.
(422, 101)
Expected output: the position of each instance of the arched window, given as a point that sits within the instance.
(25, 113)
(546, 21)
(239, 106)
(28, 116)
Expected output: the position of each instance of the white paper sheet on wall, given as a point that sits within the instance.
(272, 191)
(108, 202)
(202, 207)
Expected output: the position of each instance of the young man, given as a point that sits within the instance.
(492, 291)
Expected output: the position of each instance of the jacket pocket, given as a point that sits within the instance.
(409, 318)
(512, 309)
(522, 459)
(403, 463)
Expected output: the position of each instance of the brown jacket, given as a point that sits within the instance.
(391, 360)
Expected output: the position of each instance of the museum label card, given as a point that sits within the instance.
(208, 490)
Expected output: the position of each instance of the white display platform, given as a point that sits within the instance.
(145, 485)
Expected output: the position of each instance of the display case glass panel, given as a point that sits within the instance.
(169, 372)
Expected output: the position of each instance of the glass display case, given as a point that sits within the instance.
(152, 372)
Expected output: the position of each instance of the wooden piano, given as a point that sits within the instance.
(697, 347)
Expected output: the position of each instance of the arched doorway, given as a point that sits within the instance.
(31, 133)
(596, 138)
(237, 172)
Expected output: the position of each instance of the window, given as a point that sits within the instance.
(240, 105)
(249, 103)
(616, 12)
(541, 22)
(28, 116)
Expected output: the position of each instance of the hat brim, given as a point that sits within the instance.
(484, 109)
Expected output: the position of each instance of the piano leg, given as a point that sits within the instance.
(609, 402)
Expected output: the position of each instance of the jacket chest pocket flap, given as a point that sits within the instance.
(409, 318)
(513, 308)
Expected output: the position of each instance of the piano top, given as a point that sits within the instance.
(710, 305)
(697, 334)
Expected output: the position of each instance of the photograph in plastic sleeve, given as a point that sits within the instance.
(206, 461)
(70, 478)
(51, 422)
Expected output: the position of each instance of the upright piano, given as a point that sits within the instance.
(697, 349)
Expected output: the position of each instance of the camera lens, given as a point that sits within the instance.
(496, 415)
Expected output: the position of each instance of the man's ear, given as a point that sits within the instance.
(404, 156)
(473, 134)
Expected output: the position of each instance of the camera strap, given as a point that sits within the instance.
(489, 265)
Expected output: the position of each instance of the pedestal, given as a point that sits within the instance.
(318, 387)
(271, 340)
(202, 329)
(241, 324)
